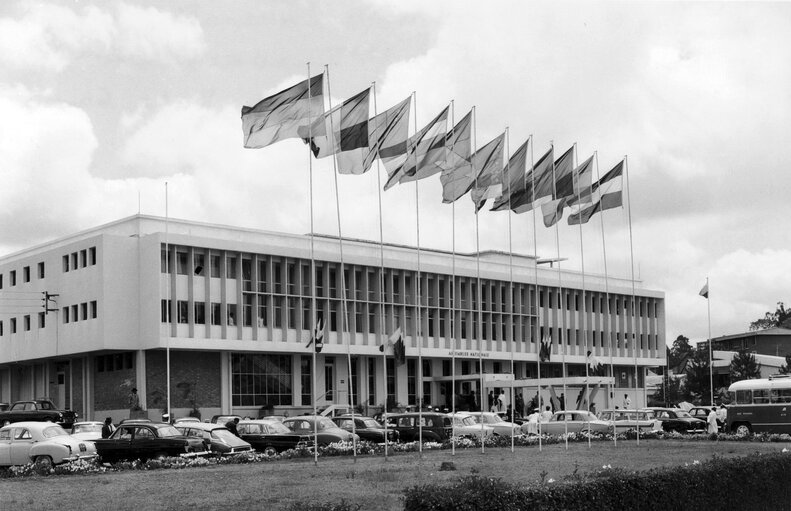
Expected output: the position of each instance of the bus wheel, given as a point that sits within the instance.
(743, 429)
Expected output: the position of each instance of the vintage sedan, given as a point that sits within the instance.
(216, 437)
(625, 420)
(328, 432)
(676, 419)
(44, 443)
(495, 421)
(367, 427)
(574, 421)
(145, 440)
(271, 436)
(435, 427)
(89, 430)
(465, 425)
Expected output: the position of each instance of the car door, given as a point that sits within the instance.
(119, 445)
(5, 447)
(21, 442)
(145, 443)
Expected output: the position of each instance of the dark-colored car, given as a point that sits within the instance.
(39, 410)
(328, 432)
(4, 407)
(216, 437)
(676, 419)
(436, 426)
(702, 413)
(271, 436)
(145, 440)
(366, 427)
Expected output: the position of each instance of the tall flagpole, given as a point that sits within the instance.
(382, 327)
(477, 310)
(344, 323)
(418, 301)
(510, 281)
(453, 307)
(711, 367)
(632, 310)
(536, 303)
(169, 298)
(313, 331)
(561, 299)
(607, 318)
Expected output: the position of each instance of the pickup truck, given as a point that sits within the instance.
(40, 410)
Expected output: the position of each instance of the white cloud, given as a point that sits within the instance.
(49, 37)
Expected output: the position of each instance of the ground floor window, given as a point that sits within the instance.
(260, 380)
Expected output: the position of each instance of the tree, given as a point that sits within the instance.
(698, 384)
(679, 353)
(671, 392)
(744, 366)
(779, 318)
(786, 368)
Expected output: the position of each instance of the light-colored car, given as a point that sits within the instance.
(501, 427)
(217, 438)
(89, 430)
(624, 420)
(574, 421)
(182, 420)
(465, 424)
(44, 443)
(328, 431)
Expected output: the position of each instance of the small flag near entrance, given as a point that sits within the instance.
(318, 336)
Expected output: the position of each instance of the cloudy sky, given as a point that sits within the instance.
(101, 103)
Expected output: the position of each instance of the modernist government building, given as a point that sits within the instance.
(231, 313)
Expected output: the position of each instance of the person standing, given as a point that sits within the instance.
(627, 403)
(711, 420)
(108, 428)
(546, 414)
(231, 425)
(134, 403)
(562, 400)
(520, 404)
(722, 416)
(491, 399)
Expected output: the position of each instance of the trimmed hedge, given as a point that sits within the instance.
(758, 482)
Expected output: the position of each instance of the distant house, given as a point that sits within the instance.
(770, 347)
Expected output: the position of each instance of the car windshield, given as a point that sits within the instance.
(278, 427)
(223, 434)
(491, 418)
(326, 424)
(682, 413)
(86, 428)
(168, 431)
(53, 431)
(370, 423)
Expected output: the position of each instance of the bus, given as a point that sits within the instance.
(760, 405)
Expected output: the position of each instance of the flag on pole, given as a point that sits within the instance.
(514, 178)
(538, 184)
(552, 211)
(457, 172)
(318, 336)
(280, 116)
(399, 350)
(704, 292)
(425, 149)
(582, 178)
(605, 194)
(387, 136)
(545, 352)
(343, 131)
(390, 342)
(564, 180)
(595, 365)
(487, 165)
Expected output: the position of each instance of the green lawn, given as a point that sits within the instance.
(372, 482)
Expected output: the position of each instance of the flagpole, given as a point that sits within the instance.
(312, 278)
(453, 306)
(607, 304)
(476, 304)
(169, 298)
(510, 280)
(382, 297)
(539, 342)
(634, 296)
(561, 299)
(711, 366)
(583, 311)
(418, 323)
(344, 322)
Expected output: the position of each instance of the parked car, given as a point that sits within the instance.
(367, 427)
(4, 407)
(217, 438)
(222, 419)
(676, 419)
(328, 432)
(44, 443)
(518, 419)
(144, 440)
(495, 421)
(271, 437)
(624, 420)
(465, 425)
(90, 430)
(702, 413)
(436, 427)
(42, 410)
(574, 421)
(279, 418)
(183, 420)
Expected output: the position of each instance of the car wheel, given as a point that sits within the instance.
(270, 451)
(742, 429)
(43, 462)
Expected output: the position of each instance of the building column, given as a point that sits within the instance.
(225, 382)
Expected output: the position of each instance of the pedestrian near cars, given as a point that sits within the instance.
(108, 428)
(562, 400)
(133, 400)
(546, 414)
(627, 403)
(520, 404)
(722, 415)
(711, 420)
(491, 399)
(231, 425)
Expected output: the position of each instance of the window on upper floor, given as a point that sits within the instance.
(181, 262)
(65, 314)
(26, 274)
(92, 256)
(84, 311)
(83, 258)
(13, 325)
(94, 311)
(230, 267)
(215, 266)
(66, 263)
(26, 322)
(42, 320)
(12, 277)
(41, 270)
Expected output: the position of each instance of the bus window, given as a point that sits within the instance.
(774, 395)
(760, 396)
(785, 395)
(744, 397)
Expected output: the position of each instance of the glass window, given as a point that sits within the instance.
(215, 314)
(92, 256)
(215, 266)
(198, 264)
(26, 274)
(65, 315)
(27, 322)
(181, 262)
(83, 258)
(760, 396)
(41, 270)
(230, 267)
(306, 367)
(94, 311)
(200, 313)
(12, 277)
(231, 314)
(165, 311)
(261, 379)
(65, 263)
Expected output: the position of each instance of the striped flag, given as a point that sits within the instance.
(487, 164)
(607, 193)
(425, 149)
(538, 184)
(281, 116)
(457, 172)
(514, 179)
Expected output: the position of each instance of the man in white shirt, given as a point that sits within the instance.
(627, 403)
